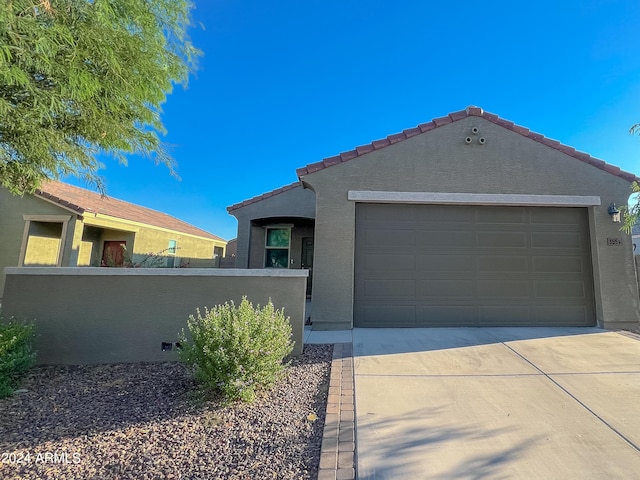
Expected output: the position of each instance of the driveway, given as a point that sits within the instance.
(497, 403)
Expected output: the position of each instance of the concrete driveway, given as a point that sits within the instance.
(497, 403)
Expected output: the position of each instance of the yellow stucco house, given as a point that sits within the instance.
(67, 226)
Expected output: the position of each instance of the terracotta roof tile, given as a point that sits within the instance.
(425, 127)
(314, 167)
(396, 137)
(612, 169)
(474, 111)
(458, 115)
(492, 117)
(332, 160)
(442, 121)
(348, 155)
(299, 172)
(365, 149)
(505, 123)
(412, 132)
(549, 142)
(536, 136)
(85, 201)
(272, 193)
(521, 130)
(381, 143)
(567, 149)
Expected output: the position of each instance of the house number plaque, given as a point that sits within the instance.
(614, 242)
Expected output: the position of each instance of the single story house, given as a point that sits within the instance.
(67, 226)
(467, 220)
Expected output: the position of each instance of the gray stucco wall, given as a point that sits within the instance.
(97, 315)
(297, 202)
(441, 161)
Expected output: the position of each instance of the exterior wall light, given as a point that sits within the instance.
(614, 212)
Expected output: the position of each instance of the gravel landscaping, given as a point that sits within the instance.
(142, 421)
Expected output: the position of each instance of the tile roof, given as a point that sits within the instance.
(84, 201)
(471, 111)
(236, 206)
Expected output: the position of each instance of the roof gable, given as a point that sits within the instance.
(83, 201)
(258, 198)
(454, 117)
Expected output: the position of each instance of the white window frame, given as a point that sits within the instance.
(172, 250)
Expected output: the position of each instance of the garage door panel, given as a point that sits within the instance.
(559, 264)
(447, 315)
(389, 315)
(446, 239)
(504, 315)
(501, 240)
(572, 240)
(503, 288)
(568, 315)
(558, 216)
(499, 215)
(445, 288)
(374, 262)
(443, 214)
(390, 288)
(445, 263)
(560, 289)
(472, 265)
(383, 238)
(503, 263)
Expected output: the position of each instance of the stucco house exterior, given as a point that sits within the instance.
(67, 226)
(467, 220)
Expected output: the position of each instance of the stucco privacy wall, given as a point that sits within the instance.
(96, 315)
(296, 202)
(440, 161)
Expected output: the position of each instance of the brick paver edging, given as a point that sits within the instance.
(337, 455)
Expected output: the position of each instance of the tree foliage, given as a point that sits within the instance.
(632, 211)
(81, 77)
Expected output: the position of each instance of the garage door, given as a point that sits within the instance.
(435, 265)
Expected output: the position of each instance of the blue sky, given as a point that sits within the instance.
(286, 83)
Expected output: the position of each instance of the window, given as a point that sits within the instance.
(217, 252)
(173, 246)
(277, 247)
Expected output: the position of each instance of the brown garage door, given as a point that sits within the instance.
(434, 265)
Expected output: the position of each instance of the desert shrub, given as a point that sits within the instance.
(16, 354)
(237, 351)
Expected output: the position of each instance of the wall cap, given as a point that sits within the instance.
(158, 272)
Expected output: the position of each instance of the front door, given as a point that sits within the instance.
(113, 253)
(307, 260)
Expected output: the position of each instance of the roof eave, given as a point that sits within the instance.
(471, 111)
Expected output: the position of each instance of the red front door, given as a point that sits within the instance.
(113, 253)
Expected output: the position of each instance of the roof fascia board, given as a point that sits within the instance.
(470, 111)
(107, 221)
(60, 205)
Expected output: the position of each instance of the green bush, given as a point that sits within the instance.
(16, 354)
(237, 351)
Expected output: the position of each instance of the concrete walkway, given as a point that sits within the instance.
(497, 403)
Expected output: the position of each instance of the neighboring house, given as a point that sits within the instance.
(465, 220)
(62, 225)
